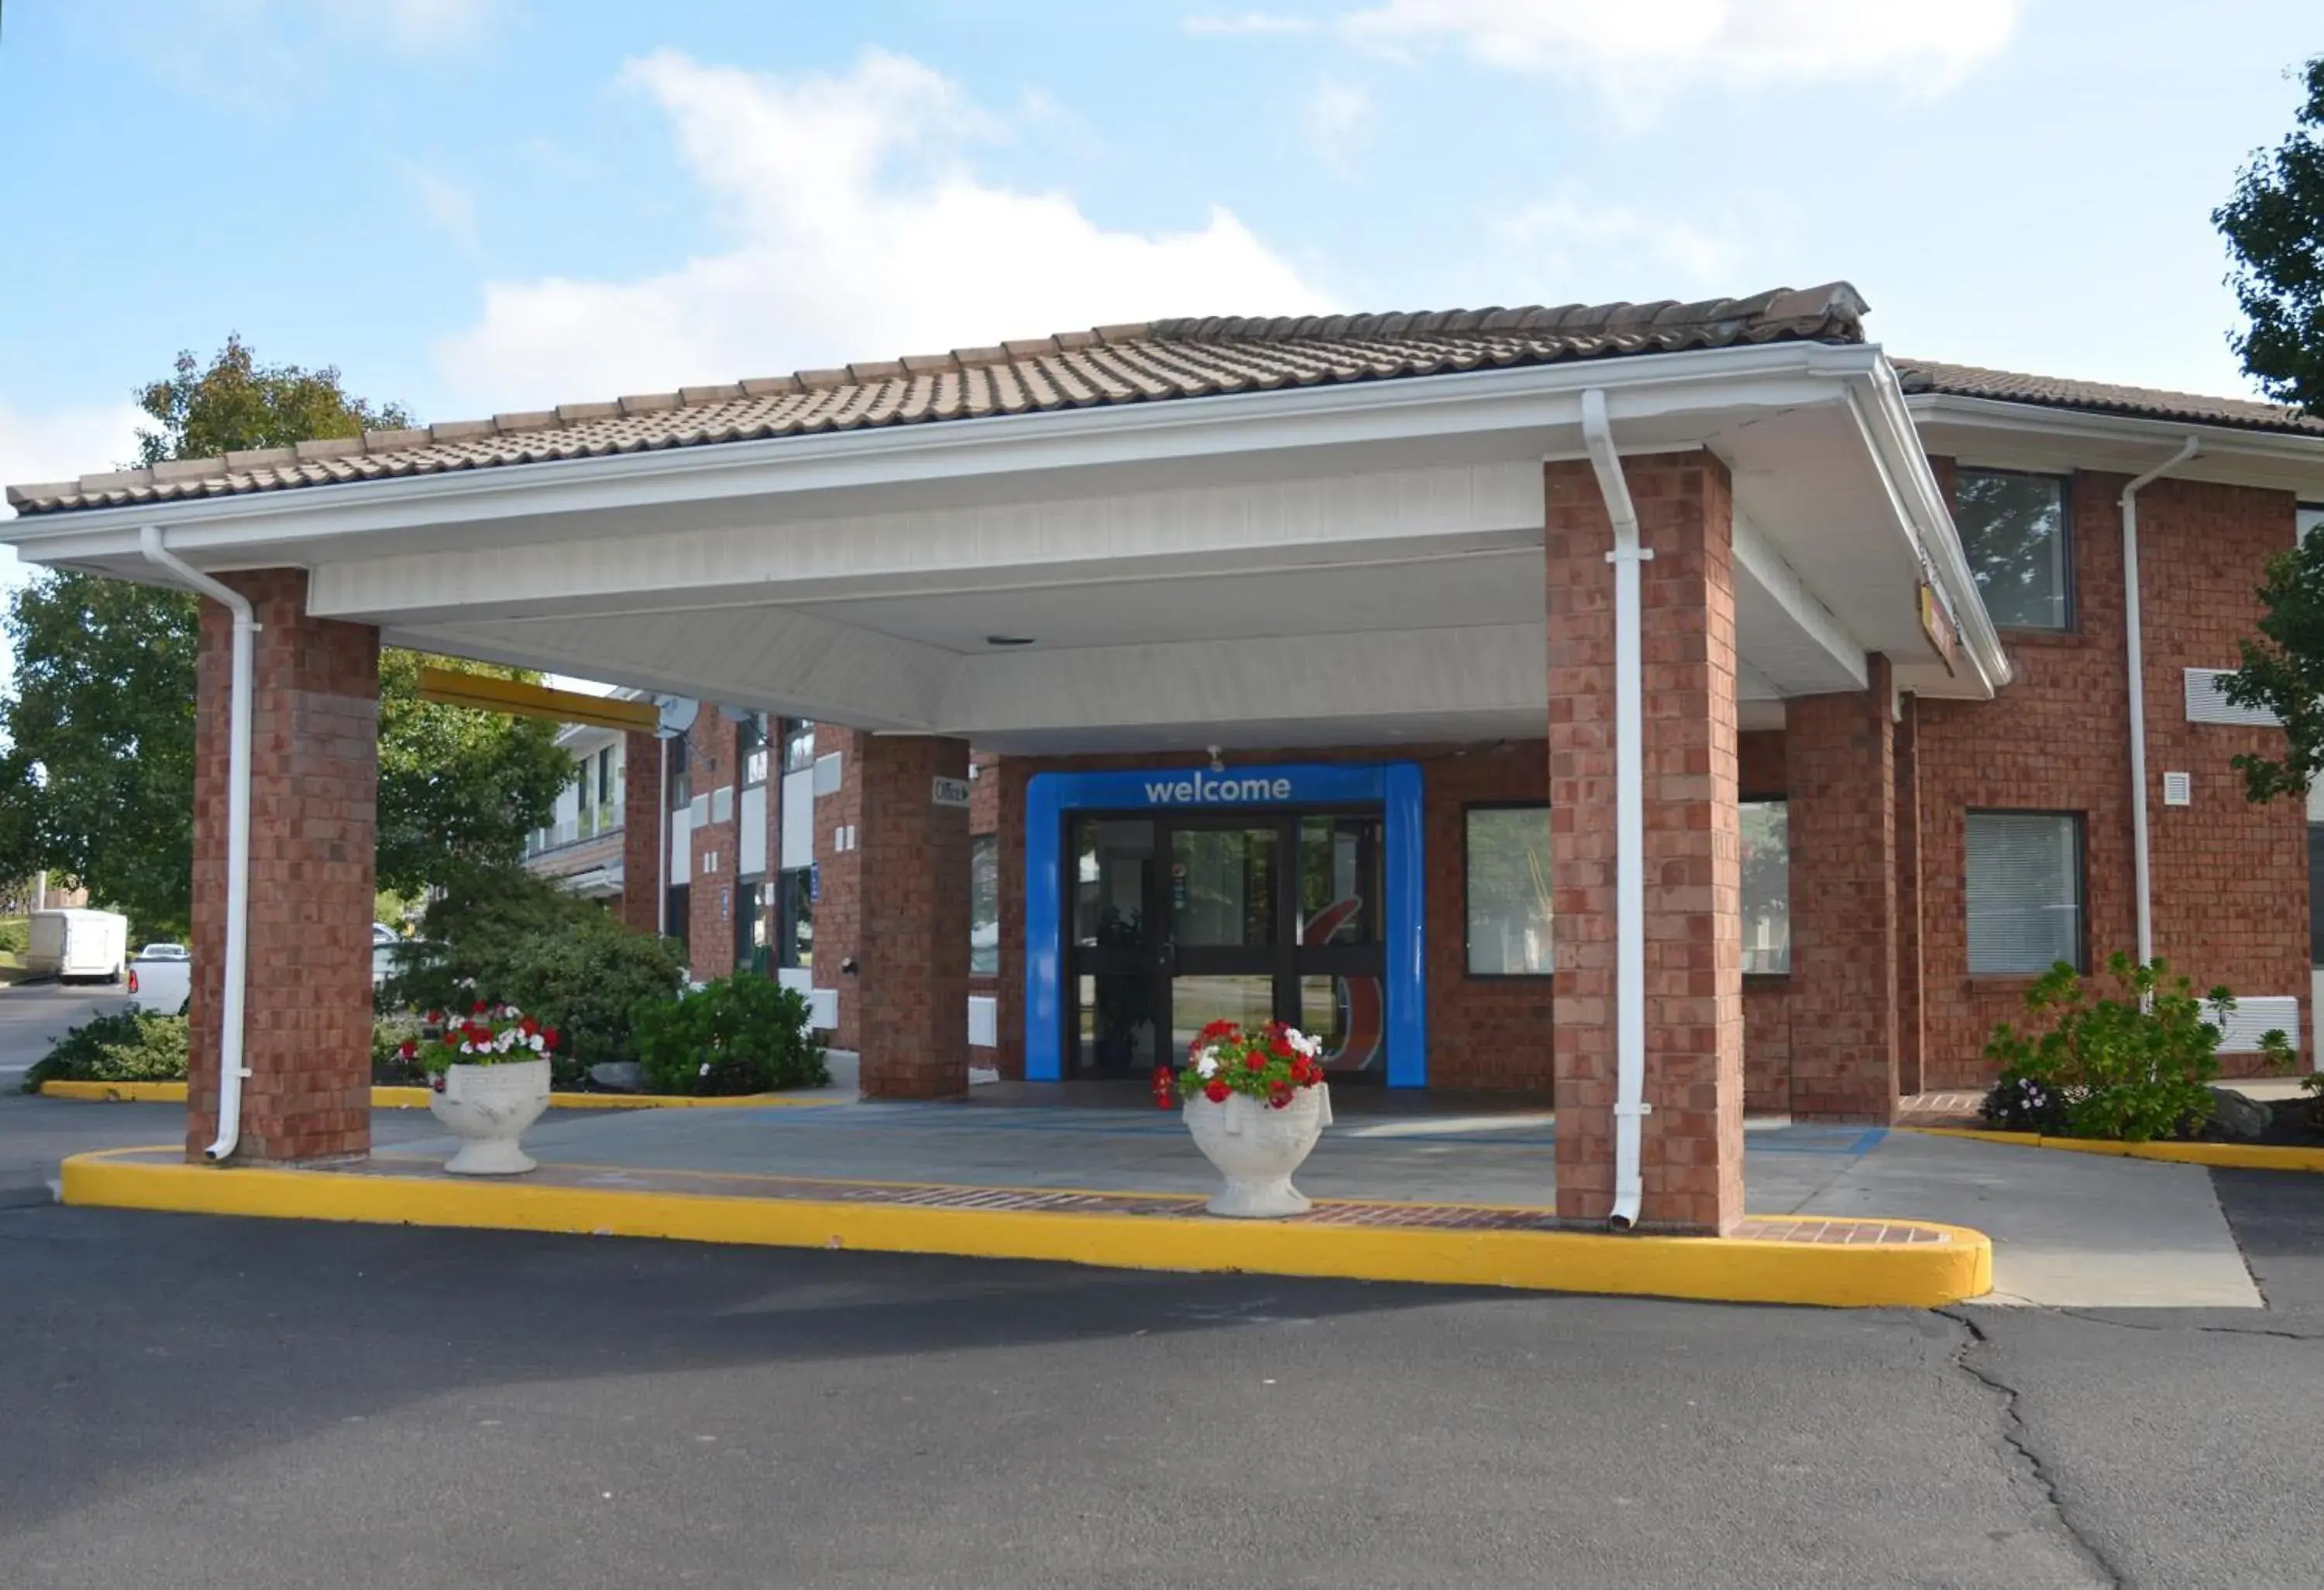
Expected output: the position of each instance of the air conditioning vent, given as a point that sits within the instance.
(2207, 703)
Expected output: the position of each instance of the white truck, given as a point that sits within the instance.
(78, 943)
(160, 979)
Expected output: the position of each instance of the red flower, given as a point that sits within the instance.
(1165, 1087)
(549, 1037)
(479, 1008)
(1279, 1094)
(1280, 1048)
(435, 1018)
(1254, 1062)
(1216, 1091)
(405, 1051)
(1219, 1028)
(527, 1026)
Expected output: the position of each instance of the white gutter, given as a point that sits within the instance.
(2136, 647)
(232, 1068)
(1630, 1107)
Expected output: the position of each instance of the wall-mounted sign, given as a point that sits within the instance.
(1938, 626)
(814, 884)
(949, 792)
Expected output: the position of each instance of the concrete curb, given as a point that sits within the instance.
(1925, 1274)
(2234, 1156)
(416, 1098)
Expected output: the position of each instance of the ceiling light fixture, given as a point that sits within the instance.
(1009, 640)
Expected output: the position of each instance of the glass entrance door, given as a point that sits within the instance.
(1182, 919)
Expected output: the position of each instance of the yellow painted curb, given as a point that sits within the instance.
(1921, 1275)
(2234, 1156)
(416, 1098)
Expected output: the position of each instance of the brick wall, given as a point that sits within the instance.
(910, 918)
(313, 820)
(2229, 882)
(839, 882)
(1840, 756)
(643, 833)
(1692, 1143)
(710, 900)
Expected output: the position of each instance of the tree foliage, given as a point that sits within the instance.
(2275, 223)
(96, 778)
(2283, 672)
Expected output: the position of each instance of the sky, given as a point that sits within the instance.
(479, 206)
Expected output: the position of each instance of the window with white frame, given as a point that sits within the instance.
(1506, 863)
(2024, 888)
(2013, 529)
(1766, 834)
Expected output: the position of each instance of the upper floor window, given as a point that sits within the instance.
(799, 743)
(2013, 529)
(678, 770)
(750, 745)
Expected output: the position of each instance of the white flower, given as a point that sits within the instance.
(1207, 1066)
(466, 1048)
(537, 1043)
(705, 1069)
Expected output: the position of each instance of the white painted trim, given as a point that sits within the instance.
(1758, 557)
(2052, 423)
(238, 528)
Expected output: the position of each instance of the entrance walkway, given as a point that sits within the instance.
(2067, 1230)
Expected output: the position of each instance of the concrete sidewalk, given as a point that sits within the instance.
(2067, 1230)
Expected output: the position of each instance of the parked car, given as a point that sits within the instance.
(393, 956)
(161, 979)
(76, 943)
(381, 933)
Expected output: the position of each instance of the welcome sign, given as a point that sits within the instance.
(1282, 784)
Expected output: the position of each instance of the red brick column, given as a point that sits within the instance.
(1692, 1150)
(910, 986)
(1908, 897)
(711, 765)
(1840, 756)
(313, 821)
(641, 833)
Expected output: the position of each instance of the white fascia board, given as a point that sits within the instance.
(1758, 557)
(2041, 422)
(235, 529)
(1878, 399)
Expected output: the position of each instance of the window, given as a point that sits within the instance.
(677, 908)
(798, 745)
(984, 906)
(795, 918)
(751, 951)
(1767, 830)
(2305, 517)
(1507, 863)
(750, 747)
(681, 782)
(2024, 892)
(2013, 529)
(605, 776)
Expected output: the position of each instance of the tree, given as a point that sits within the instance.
(97, 781)
(2275, 224)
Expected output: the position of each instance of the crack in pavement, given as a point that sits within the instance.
(2171, 1329)
(2019, 1438)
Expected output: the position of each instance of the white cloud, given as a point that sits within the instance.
(421, 26)
(1334, 117)
(1640, 52)
(1564, 233)
(860, 233)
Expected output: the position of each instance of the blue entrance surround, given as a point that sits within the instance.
(1395, 786)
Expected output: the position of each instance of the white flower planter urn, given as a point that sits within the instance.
(488, 1107)
(1257, 1147)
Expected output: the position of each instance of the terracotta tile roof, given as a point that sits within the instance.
(1164, 360)
(1924, 375)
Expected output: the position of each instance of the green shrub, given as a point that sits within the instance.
(389, 1068)
(739, 1034)
(15, 935)
(2129, 1069)
(134, 1046)
(510, 938)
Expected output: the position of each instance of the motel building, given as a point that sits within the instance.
(1666, 711)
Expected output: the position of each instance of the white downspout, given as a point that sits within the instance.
(2134, 645)
(232, 1069)
(1630, 1107)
